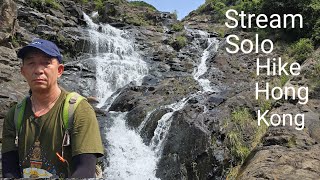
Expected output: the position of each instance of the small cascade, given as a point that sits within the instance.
(129, 157)
(146, 119)
(164, 125)
(212, 45)
(202, 67)
(117, 63)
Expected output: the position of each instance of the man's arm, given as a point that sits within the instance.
(84, 165)
(86, 141)
(10, 162)
(10, 156)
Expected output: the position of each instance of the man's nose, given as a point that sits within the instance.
(39, 69)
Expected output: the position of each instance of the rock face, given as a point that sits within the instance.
(8, 12)
(200, 143)
(286, 153)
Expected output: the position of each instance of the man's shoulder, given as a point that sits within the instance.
(83, 104)
(10, 113)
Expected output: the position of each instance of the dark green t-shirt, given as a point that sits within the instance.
(41, 138)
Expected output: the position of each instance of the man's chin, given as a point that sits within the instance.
(39, 88)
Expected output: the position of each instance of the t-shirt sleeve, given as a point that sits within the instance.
(9, 133)
(85, 137)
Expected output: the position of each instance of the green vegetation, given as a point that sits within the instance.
(98, 4)
(309, 9)
(312, 74)
(292, 142)
(40, 4)
(283, 79)
(137, 20)
(243, 135)
(175, 14)
(301, 50)
(264, 104)
(177, 26)
(178, 42)
(142, 4)
(218, 8)
(15, 41)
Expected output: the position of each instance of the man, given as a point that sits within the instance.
(39, 151)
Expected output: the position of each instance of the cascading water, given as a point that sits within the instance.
(164, 123)
(129, 158)
(117, 64)
(212, 48)
(116, 61)
(163, 126)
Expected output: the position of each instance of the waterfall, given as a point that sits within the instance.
(117, 63)
(202, 67)
(129, 158)
(212, 48)
(164, 125)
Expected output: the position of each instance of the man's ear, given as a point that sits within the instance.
(22, 70)
(60, 69)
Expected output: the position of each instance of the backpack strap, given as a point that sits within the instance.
(70, 105)
(18, 115)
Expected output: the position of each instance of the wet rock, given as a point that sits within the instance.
(147, 132)
(188, 131)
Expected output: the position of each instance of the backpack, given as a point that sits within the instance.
(70, 104)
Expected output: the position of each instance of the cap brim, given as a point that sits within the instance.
(23, 51)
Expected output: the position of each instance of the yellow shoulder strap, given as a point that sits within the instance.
(70, 104)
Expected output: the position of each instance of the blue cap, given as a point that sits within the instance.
(45, 46)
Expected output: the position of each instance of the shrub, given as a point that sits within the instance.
(301, 50)
(316, 33)
(177, 27)
(98, 4)
(179, 42)
(136, 20)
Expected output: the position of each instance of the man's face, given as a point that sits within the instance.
(40, 70)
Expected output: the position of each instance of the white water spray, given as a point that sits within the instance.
(130, 159)
(213, 45)
(116, 61)
(117, 65)
(164, 124)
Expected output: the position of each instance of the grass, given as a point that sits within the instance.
(243, 135)
(301, 50)
(241, 118)
(233, 172)
(283, 79)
